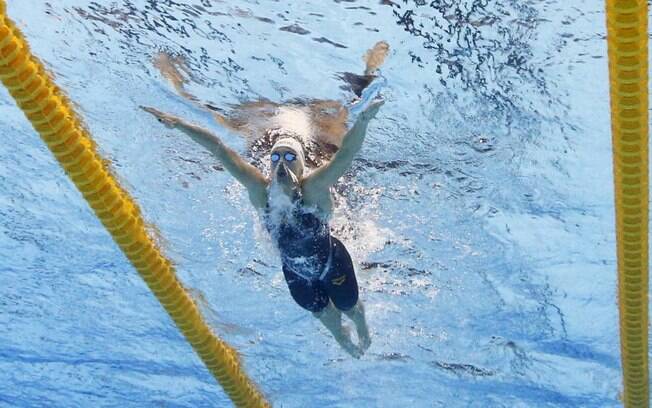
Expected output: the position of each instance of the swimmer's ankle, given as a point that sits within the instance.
(364, 340)
(348, 346)
(344, 334)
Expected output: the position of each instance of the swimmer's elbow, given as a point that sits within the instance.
(325, 177)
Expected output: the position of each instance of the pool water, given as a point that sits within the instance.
(479, 211)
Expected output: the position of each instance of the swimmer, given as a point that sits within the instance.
(295, 202)
(296, 207)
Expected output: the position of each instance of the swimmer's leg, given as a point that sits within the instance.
(330, 118)
(342, 288)
(331, 318)
(357, 315)
(373, 59)
(175, 69)
(314, 298)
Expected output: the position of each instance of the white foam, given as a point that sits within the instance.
(280, 204)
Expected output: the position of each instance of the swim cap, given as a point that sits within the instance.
(294, 145)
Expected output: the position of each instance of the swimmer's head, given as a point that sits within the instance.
(287, 161)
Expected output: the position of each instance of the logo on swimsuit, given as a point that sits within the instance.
(339, 280)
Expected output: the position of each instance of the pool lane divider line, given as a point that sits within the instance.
(53, 117)
(627, 39)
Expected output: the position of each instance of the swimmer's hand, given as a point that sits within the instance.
(166, 119)
(245, 173)
(326, 176)
(371, 110)
(196, 133)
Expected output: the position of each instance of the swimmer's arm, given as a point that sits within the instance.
(248, 175)
(326, 176)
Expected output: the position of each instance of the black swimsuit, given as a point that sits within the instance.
(316, 265)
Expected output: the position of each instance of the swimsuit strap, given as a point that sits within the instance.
(327, 265)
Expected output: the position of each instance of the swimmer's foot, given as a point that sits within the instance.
(357, 316)
(364, 338)
(344, 340)
(375, 57)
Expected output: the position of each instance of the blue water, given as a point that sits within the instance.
(480, 209)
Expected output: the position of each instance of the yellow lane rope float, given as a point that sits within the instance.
(54, 119)
(628, 72)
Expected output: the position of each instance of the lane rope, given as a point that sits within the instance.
(53, 117)
(627, 39)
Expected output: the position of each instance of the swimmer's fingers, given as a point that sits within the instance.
(166, 119)
(152, 111)
(376, 104)
(372, 109)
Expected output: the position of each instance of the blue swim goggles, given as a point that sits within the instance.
(288, 156)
